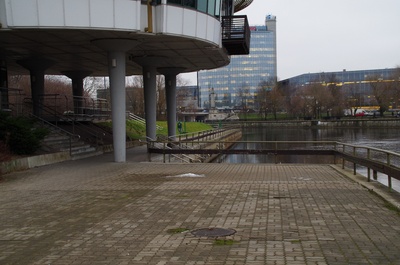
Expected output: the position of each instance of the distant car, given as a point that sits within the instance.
(359, 113)
(363, 112)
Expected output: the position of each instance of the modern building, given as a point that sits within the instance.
(80, 38)
(356, 85)
(187, 98)
(239, 81)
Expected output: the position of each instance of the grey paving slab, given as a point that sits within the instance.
(94, 211)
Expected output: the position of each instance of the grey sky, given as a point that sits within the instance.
(325, 36)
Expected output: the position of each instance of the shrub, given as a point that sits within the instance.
(20, 134)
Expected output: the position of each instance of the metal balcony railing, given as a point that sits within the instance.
(236, 34)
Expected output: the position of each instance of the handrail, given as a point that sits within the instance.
(59, 129)
(375, 159)
(139, 119)
(152, 143)
(69, 120)
(179, 146)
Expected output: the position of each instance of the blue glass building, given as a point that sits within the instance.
(242, 77)
(356, 85)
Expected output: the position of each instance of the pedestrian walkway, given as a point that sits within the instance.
(95, 211)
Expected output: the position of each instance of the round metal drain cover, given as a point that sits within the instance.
(213, 232)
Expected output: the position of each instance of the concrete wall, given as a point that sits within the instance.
(33, 161)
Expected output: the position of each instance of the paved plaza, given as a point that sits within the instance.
(95, 211)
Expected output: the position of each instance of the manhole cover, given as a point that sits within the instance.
(213, 232)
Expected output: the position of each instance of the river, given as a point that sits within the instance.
(382, 138)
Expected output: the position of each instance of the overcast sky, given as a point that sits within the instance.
(330, 35)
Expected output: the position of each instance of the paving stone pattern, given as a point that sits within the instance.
(93, 211)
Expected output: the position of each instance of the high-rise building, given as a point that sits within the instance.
(237, 83)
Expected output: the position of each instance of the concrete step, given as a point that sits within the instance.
(85, 154)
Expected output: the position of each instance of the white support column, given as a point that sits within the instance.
(116, 49)
(116, 68)
(170, 91)
(150, 100)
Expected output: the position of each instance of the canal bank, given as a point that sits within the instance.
(359, 122)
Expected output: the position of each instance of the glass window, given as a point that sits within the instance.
(211, 7)
(218, 6)
(178, 2)
(189, 3)
(202, 6)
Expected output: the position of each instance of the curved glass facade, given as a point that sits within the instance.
(242, 77)
(211, 7)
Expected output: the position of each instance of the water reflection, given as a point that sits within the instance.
(382, 138)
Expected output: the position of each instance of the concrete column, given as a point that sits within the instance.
(77, 88)
(150, 100)
(36, 67)
(116, 68)
(170, 91)
(3, 85)
(116, 49)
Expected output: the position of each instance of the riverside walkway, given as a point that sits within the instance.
(95, 211)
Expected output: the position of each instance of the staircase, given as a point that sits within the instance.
(59, 141)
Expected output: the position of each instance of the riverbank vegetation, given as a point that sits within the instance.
(137, 130)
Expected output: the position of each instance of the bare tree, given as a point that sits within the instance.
(396, 87)
(275, 100)
(92, 83)
(269, 97)
(242, 96)
(335, 103)
(317, 98)
(383, 93)
(161, 98)
(180, 81)
(298, 105)
(135, 95)
(261, 97)
(20, 82)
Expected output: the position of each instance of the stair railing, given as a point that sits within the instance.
(54, 127)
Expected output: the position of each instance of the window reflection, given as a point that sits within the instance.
(211, 7)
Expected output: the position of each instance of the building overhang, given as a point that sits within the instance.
(73, 49)
(65, 34)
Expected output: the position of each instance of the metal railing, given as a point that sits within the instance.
(11, 100)
(75, 107)
(374, 159)
(134, 117)
(236, 34)
(52, 115)
(56, 128)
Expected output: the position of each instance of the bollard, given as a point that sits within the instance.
(369, 174)
(375, 174)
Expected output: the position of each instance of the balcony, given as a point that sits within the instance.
(236, 35)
